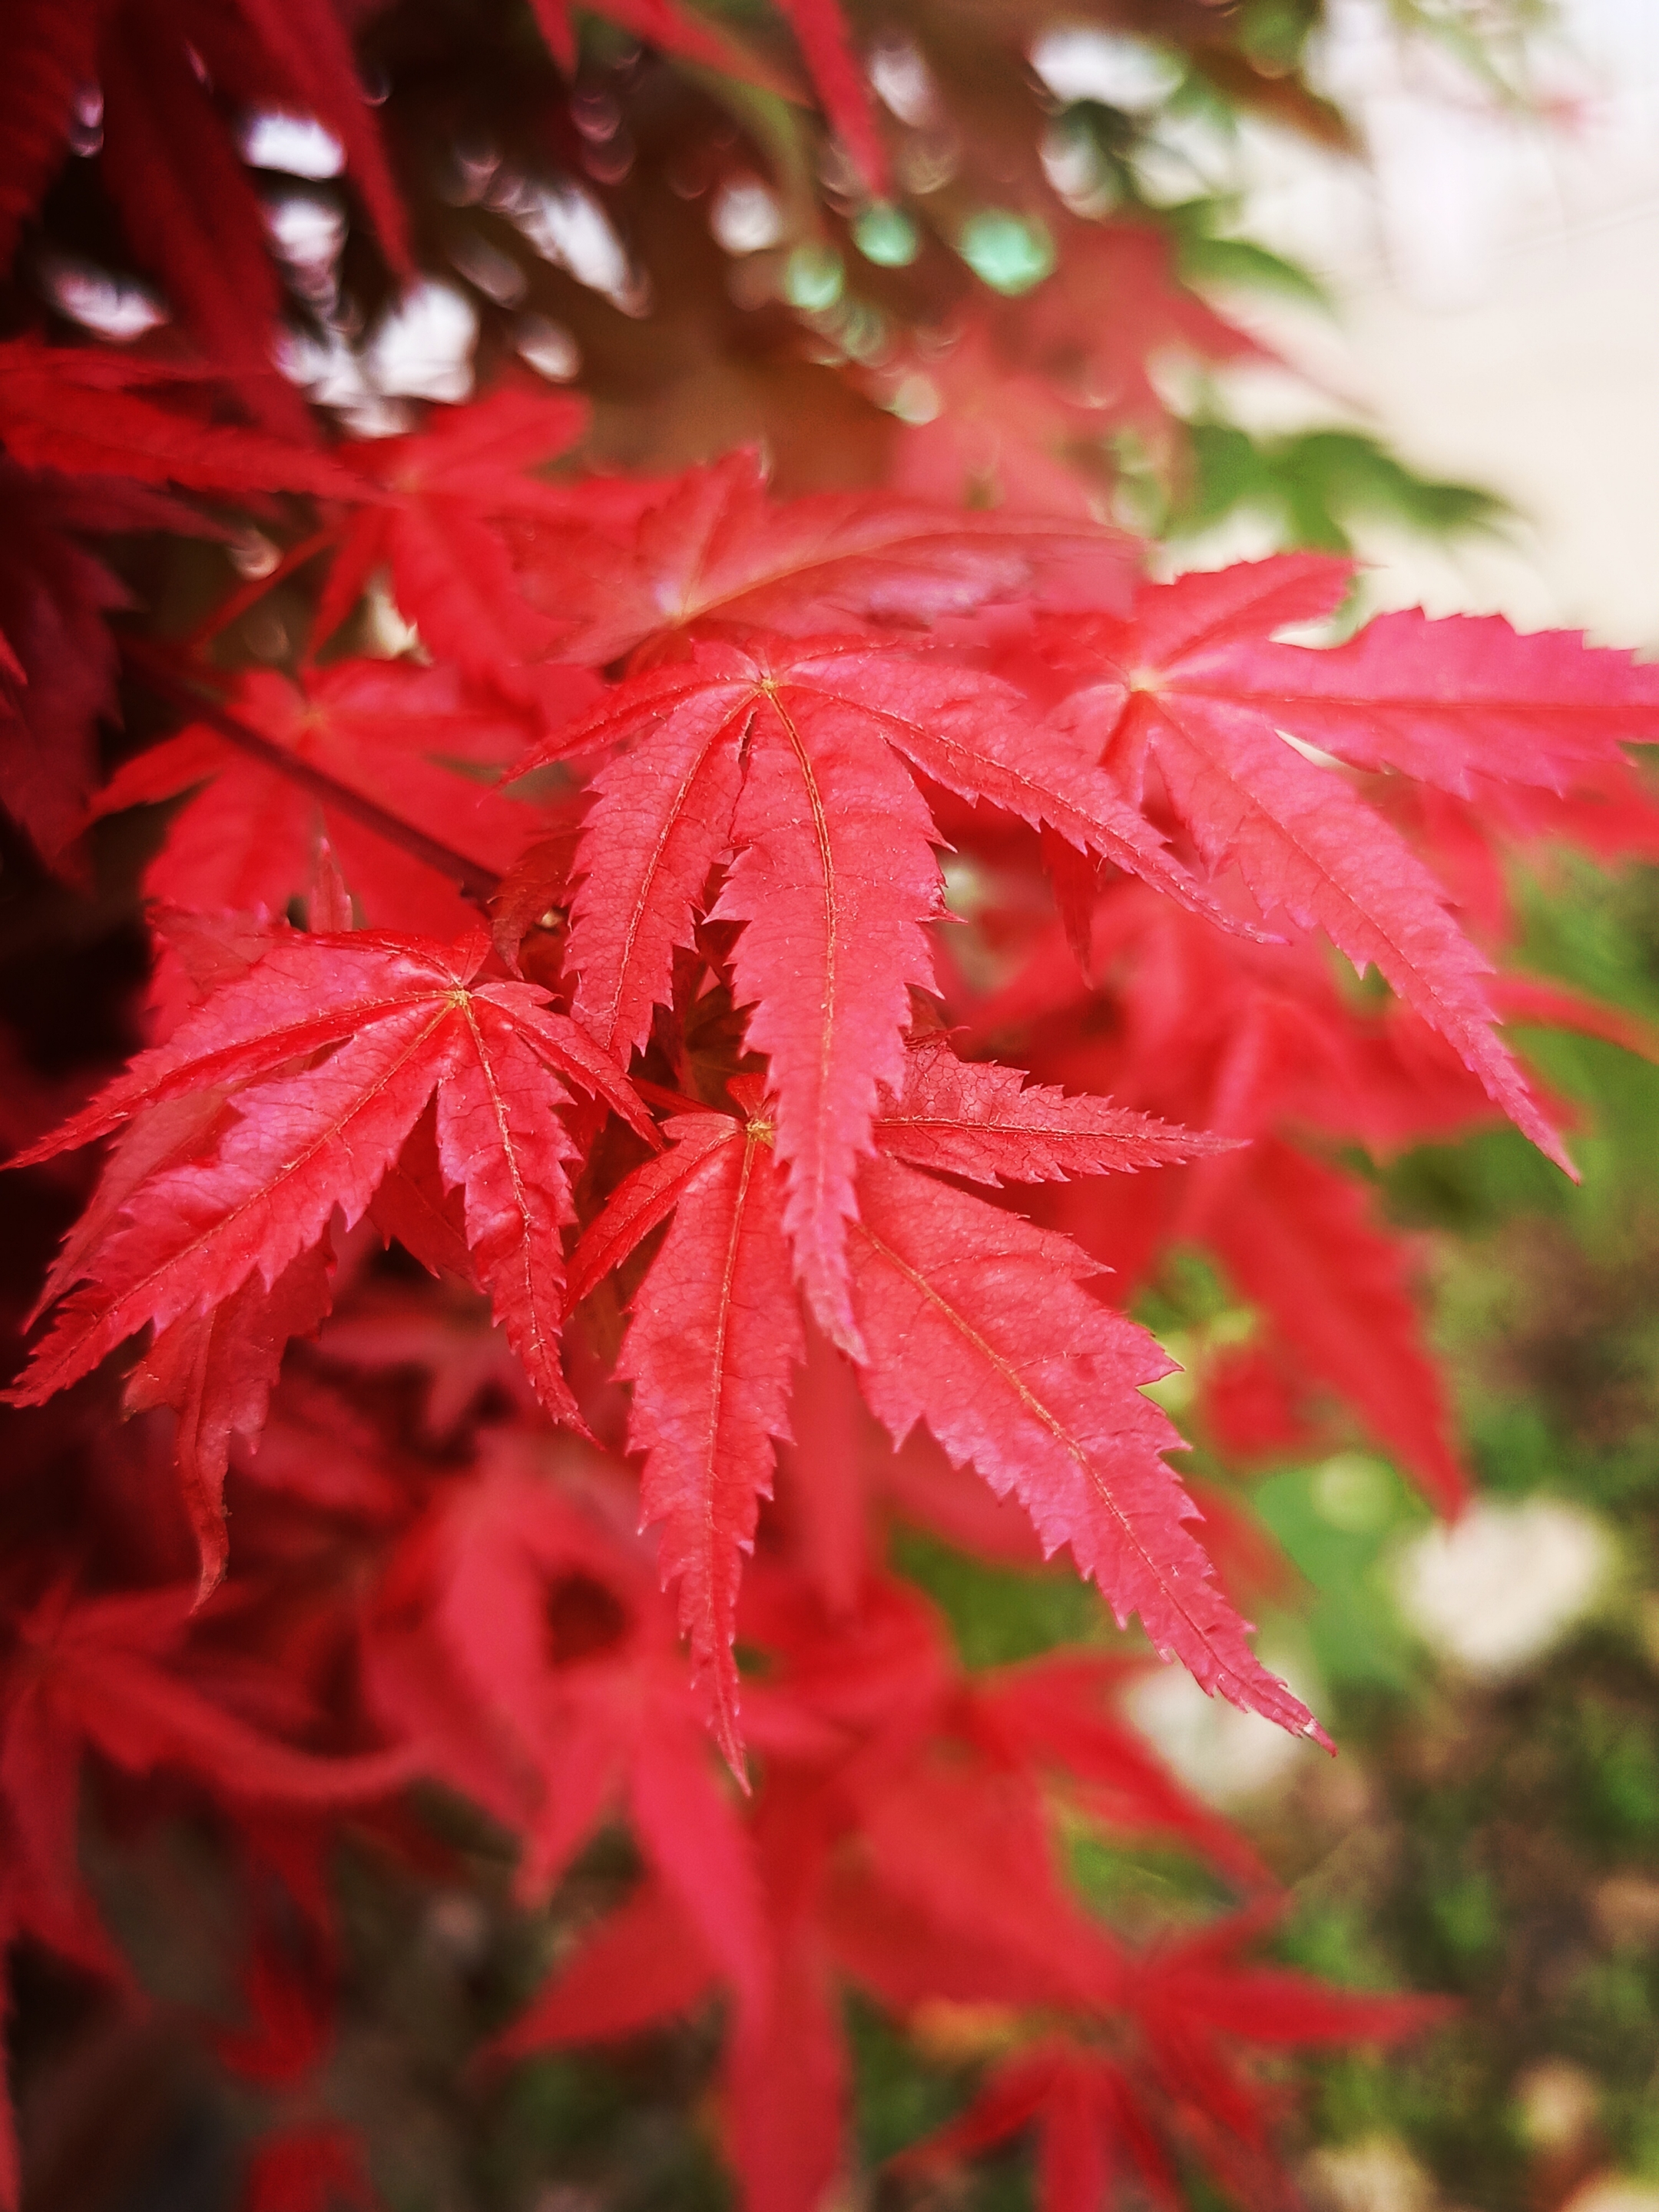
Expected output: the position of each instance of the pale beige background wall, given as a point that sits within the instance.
(1497, 281)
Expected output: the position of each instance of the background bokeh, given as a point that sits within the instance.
(1492, 1827)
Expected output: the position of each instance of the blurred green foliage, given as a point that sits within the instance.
(1504, 1840)
(1496, 1842)
(1314, 487)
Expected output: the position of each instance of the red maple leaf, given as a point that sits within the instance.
(823, 31)
(1463, 703)
(1197, 690)
(411, 1022)
(966, 1317)
(95, 1671)
(57, 661)
(217, 1371)
(523, 1653)
(427, 504)
(1034, 386)
(189, 208)
(401, 736)
(1257, 1043)
(907, 1843)
(715, 549)
(996, 430)
(792, 764)
(1087, 2116)
(1111, 310)
(308, 2170)
(80, 410)
(389, 1326)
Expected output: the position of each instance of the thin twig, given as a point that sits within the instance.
(188, 691)
(233, 609)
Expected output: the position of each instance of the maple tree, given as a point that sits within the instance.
(685, 999)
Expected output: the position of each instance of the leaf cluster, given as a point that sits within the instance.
(684, 1002)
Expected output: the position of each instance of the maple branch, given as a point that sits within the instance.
(191, 693)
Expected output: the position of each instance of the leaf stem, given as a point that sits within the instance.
(254, 589)
(189, 690)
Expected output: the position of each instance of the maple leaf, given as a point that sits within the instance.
(187, 204)
(880, 1669)
(785, 758)
(415, 1205)
(1028, 395)
(1189, 1994)
(907, 1841)
(1461, 702)
(975, 1879)
(1296, 1237)
(991, 1124)
(318, 1449)
(737, 751)
(1301, 837)
(883, 1665)
(717, 549)
(217, 1371)
(91, 1670)
(400, 736)
(48, 52)
(307, 2169)
(1201, 1981)
(833, 878)
(1528, 998)
(57, 673)
(921, 1486)
(786, 2072)
(1254, 1403)
(411, 1022)
(529, 911)
(825, 1485)
(642, 1964)
(1097, 2109)
(996, 429)
(389, 1326)
(426, 504)
(786, 2067)
(91, 448)
(1058, 1711)
(979, 1324)
(1084, 2109)
(805, 701)
(967, 1317)
(1113, 308)
(711, 1355)
(77, 410)
(308, 42)
(190, 212)
(822, 30)
(289, 1973)
(1258, 1043)
(557, 1738)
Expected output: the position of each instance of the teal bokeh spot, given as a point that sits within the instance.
(1006, 251)
(863, 333)
(813, 278)
(887, 236)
